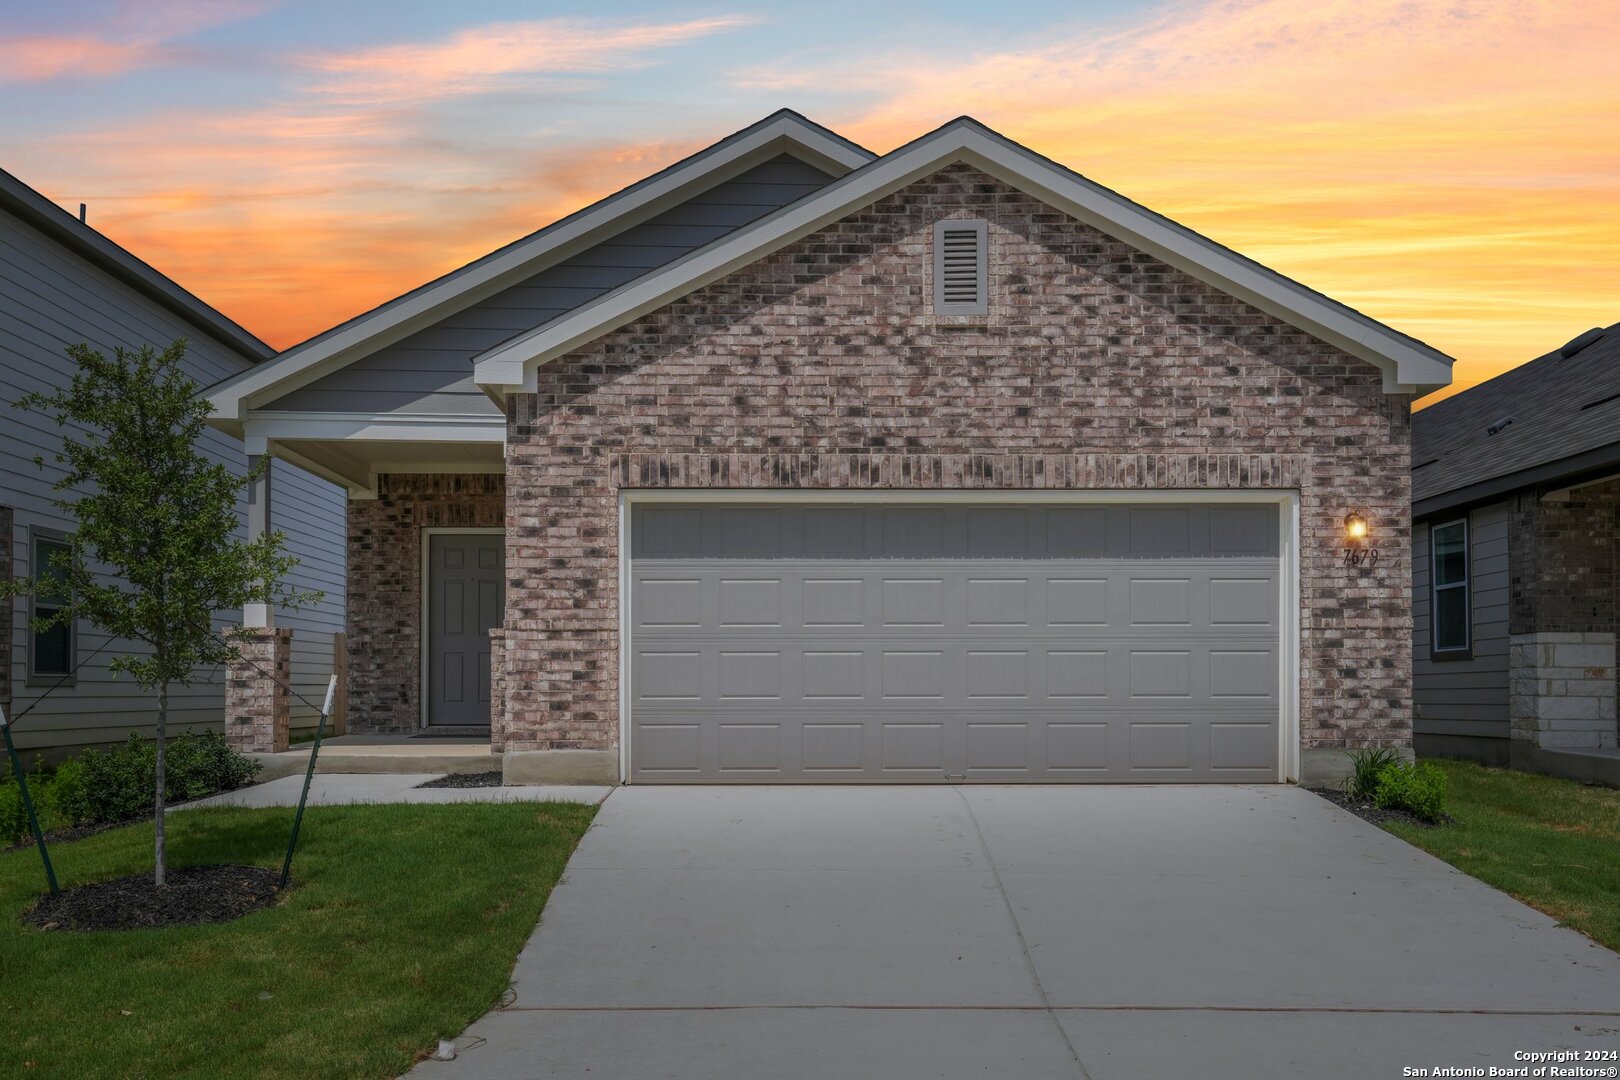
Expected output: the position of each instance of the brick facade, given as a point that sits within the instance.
(1564, 569)
(822, 366)
(256, 705)
(385, 587)
(1563, 561)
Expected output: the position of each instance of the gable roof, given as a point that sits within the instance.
(1562, 415)
(1409, 365)
(29, 206)
(784, 131)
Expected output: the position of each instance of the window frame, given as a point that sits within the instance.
(1465, 651)
(33, 676)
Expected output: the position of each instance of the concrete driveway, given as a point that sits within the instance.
(1102, 932)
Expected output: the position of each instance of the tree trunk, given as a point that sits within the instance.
(162, 722)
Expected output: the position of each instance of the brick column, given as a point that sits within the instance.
(497, 690)
(1562, 690)
(256, 693)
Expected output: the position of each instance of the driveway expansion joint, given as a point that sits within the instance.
(1018, 932)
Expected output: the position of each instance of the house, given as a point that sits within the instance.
(794, 462)
(62, 283)
(1515, 491)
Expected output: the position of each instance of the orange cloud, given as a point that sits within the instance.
(138, 36)
(1450, 169)
(35, 59)
(479, 60)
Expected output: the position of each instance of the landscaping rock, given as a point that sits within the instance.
(1368, 810)
(460, 780)
(194, 894)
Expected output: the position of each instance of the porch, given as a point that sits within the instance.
(425, 594)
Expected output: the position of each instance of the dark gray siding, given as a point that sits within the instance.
(1465, 697)
(51, 298)
(431, 370)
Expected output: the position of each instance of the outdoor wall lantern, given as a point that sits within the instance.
(1356, 548)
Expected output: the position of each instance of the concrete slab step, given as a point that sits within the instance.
(359, 754)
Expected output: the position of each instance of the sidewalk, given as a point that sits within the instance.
(345, 789)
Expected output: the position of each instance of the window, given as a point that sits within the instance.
(1449, 605)
(960, 268)
(50, 652)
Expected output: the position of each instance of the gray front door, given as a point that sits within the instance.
(933, 643)
(464, 605)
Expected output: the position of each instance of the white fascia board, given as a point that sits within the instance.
(383, 427)
(785, 133)
(1408, 366)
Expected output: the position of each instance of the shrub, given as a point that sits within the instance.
(1418, 788)
(199, 765)
(68, 797)
(13, 822)
(13, 818)
(116, 785)
(1366, 765)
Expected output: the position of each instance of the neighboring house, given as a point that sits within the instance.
(1515, 490)
(793, 462)
(62, 283)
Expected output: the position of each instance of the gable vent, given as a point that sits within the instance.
(961, 262)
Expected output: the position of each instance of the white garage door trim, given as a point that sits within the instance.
(1288, 548)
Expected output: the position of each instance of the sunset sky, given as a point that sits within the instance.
(1452, 168)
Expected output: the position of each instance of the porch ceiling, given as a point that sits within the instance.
(356, 463)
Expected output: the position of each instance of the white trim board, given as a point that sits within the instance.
(1288, 556)
(781, 132)
(1409, 366)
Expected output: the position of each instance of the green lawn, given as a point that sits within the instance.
(1551, 843)
(401, 929)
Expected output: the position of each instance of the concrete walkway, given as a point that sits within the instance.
(1110, 933)
(341, 789)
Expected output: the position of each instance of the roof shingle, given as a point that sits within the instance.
(1559, 407)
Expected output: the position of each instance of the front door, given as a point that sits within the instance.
(464, 604)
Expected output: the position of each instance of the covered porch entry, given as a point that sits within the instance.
(425, 548)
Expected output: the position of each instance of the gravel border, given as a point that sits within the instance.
(1367, 810)
(192, 895)
(465, 780)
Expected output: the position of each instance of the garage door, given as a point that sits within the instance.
(916, 643)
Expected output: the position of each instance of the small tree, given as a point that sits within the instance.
(159, 517)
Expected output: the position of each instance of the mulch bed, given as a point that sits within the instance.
(1367, 810)
(471, 779)
(194, 894)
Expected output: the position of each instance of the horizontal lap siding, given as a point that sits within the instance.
(430, 371)
(1465, 697)
(50, 299)
(312, 660)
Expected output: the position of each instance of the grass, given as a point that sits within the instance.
(1554, 844)
(401, 929)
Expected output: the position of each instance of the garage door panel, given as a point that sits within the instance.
(916, 746)
(1035, 647)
